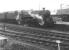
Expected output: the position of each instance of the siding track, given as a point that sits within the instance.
(37, 36)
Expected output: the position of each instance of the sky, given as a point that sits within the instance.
(52, 5)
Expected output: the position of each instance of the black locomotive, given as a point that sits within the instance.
(40, 19)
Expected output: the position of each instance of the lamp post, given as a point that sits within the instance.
(58, 42)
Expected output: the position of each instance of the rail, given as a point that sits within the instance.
(35, 35)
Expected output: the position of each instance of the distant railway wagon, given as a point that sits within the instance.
(8, 17)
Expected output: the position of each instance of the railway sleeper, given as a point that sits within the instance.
(31, 37)
(52, 37)
(40, 35)
(57, 34)
(54, 34)
(44, 43)
(22, 38)
(48, 35)
(50, 40)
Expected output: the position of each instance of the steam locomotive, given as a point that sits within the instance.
(30, 19)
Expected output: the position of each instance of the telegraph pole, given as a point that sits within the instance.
(61, 8)
(39, 4)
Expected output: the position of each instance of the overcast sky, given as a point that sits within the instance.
(52, 5)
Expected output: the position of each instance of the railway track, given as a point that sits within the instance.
(59, 27)
(37, 36)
